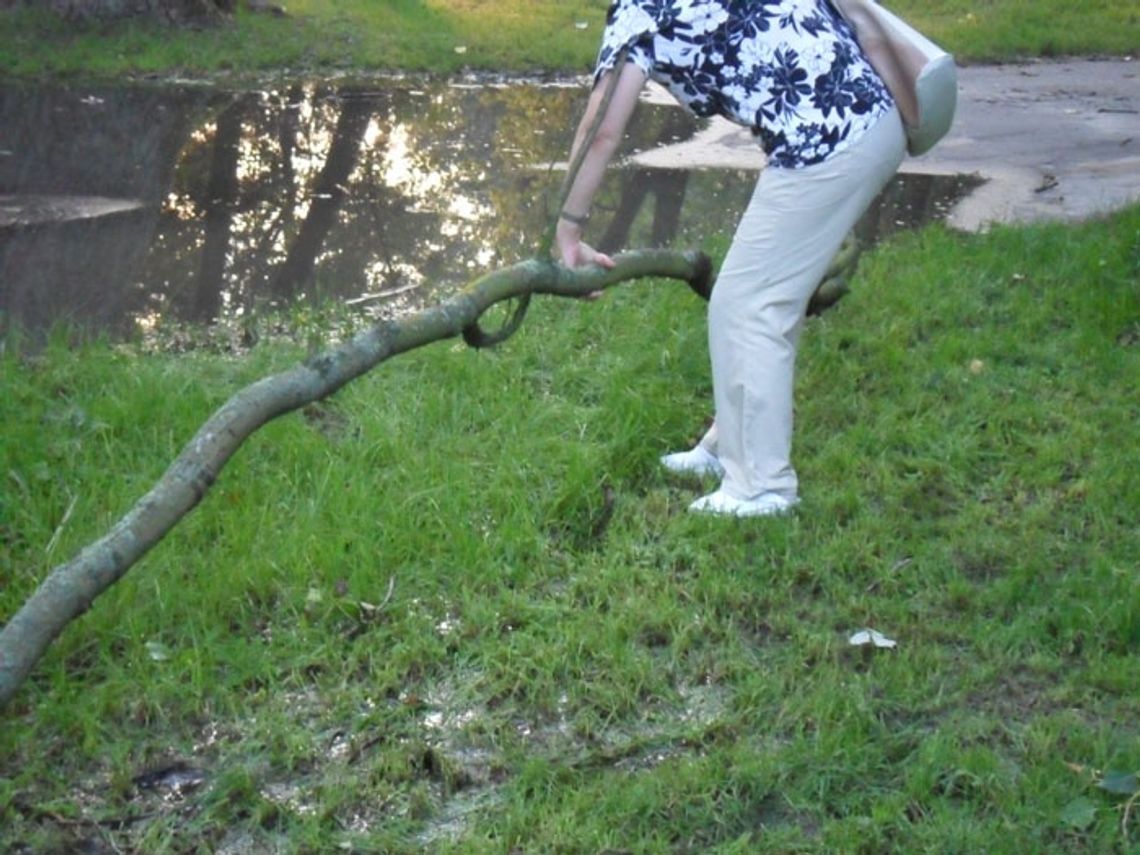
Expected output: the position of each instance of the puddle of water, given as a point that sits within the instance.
(128, 209)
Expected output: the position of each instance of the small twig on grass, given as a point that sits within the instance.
(59, 528)
(379, 607)
(1128, 805)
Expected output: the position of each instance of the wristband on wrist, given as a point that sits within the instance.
(576, 219)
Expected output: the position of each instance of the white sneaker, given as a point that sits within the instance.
(764, 505)
(695, 461)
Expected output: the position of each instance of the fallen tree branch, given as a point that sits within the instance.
(70, 588)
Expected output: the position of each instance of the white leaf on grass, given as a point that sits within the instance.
(157, 651)
(871, 636)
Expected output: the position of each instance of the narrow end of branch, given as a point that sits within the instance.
(703, 277)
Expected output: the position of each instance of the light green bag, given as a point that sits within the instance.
(921, 76)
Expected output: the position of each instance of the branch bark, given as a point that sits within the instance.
(70, 588)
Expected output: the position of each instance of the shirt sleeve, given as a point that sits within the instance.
(628, 26)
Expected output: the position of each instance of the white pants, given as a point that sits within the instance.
(785, 241)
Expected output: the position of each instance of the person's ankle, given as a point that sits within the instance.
(696, 461)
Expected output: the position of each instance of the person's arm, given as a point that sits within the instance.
(568, 236)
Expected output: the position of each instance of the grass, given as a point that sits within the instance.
(459, 607)
(318, 38)
(450, 36)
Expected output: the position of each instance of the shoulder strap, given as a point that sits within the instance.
(895, 60)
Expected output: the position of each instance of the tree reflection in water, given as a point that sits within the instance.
(260, 199)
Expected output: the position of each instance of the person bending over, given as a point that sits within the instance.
(792, 71)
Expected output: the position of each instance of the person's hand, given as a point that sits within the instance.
(574, 251)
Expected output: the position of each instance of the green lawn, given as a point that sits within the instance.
(459, 607)
(449, 36)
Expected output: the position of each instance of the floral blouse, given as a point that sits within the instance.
(789, 69)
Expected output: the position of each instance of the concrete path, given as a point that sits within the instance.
(1053, 139)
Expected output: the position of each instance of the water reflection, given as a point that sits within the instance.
(133, 207)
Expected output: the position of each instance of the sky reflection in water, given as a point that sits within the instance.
(133, 207)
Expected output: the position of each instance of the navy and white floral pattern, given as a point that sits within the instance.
(789, 69)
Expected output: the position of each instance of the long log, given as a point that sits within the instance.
(70, 588)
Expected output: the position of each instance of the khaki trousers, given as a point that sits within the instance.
(787, 237)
